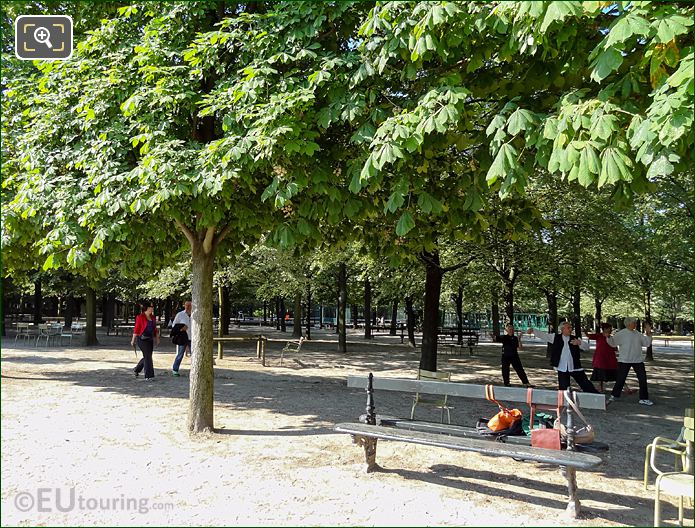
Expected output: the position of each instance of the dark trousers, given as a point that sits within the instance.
(514, 361)
(621, 376)
(563, 380)
(146, 345)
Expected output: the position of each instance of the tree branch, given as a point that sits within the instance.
(208, 240)
(187, 232)
(457, 266)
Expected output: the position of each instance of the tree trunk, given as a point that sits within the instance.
(367, 309)
(353, 310)
(38, 301)
(5, 306)
(265, 312)
(168, 310)
(69, 309)
(394, 317)
(104, 310)
(277, 313)
(342, 308)
(308, 311)
(459, 313)
(91, 309)
(283, 313)
(577, 312)
(551, 298)
(225, 312)
(410, 320)
(598, 306)
(200, 404)
(321, 316)
(495, 313)
(108, 311)
(430, 323)
(648, 319)
(297, 323)
(508, 301)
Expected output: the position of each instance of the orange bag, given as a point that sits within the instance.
(505, 418)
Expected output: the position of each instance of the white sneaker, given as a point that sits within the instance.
(611, 399)
(646, 402)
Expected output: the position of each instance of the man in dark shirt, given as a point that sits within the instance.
(510, 355)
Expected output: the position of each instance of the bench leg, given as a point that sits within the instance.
(573, 506)
(369, 445)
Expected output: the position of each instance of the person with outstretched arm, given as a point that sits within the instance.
(564, 357)
(510, 355)
(630, 342)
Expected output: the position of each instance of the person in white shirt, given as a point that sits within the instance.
(630, 342)
(182, 318)
(564, 356)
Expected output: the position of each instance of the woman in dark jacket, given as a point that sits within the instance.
(510, 355)
(146, 333)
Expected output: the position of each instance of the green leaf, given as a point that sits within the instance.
(303, 227)
(519, 120)
(428, 203)
(395, 201)
(660, 167)
(405, 224)
(603, 126)
(606, 63)
(48, 264)
(558, 11)
(670, 27)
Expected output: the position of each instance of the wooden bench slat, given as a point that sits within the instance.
(482, 446)
(585, 400)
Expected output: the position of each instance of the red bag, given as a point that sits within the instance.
(503, 419)
(545, 438)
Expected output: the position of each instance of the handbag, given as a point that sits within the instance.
(547, 438)
(582, 435)
(504, 419)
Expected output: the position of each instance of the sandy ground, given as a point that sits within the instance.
(84, 442)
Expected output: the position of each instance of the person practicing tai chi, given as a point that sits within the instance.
(564, 356)
(604, 364)
(630, 342)
(510, 355)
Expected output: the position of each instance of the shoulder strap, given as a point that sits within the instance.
(575, 408)
(490, 396)
(532, 407)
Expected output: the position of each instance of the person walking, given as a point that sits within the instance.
(510, 355)
(564, 356)
(630, 342)
(146, 333)
(183, 320)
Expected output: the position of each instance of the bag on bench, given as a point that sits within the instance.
(582, 435)
(484, 430)
(548, 438)
(505, 419)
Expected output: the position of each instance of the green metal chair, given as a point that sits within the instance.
(675, 447)
(679, 484)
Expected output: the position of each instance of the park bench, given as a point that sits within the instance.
(260, 340)
(373, 427)
(450, 340)
(292, 346)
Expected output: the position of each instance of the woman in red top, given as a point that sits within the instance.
(605, 362)
(145, 332)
